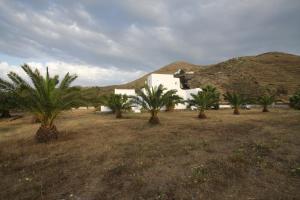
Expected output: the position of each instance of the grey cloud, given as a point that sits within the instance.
(144, 35)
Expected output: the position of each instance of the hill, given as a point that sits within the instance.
(279, 72)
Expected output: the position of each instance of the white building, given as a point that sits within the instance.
(172, 83)
(169, 81)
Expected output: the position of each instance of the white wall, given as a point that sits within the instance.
(129, 92)
(167, 80)
(170, 82)
(105, 109)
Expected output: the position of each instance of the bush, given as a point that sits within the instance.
(295, 100)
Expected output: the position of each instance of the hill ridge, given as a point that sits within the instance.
(274, 70)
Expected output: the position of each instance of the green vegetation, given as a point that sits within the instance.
(152, 100)
(7, 102)
(295, 100)
(117, 103)
(44, 97)
(265, 101)
(203, 100)
(235, 100)
(215, 95)
(172, 101)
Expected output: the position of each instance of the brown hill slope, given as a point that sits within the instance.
(279, 72)
(274, 70)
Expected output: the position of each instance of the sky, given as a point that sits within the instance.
(116, 41)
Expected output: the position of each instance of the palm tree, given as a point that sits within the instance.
(214, 93)
(172, 101)
(235, 100)
(117, 103)
(45, 97)
(7, 102)
(203, 100)
(295, 100)
(265, 101)
(153, 99)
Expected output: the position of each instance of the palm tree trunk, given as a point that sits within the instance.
(5, 114)
(46, 133)
(201, 114)
(154, 118)
(265, 109)
(118, 114)
(236, 111)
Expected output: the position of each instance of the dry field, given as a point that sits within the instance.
(252, 156)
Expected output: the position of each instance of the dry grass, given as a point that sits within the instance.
(252, 156)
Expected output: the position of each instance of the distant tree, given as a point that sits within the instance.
(172, 101)
(117, 103)
(45, 97)
(203, 100)
(295, 100)
(235, 100)
(8, 101)
(91, 96)
(152, 100)
(215, 95)
(265, 101)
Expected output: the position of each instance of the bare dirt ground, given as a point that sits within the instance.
(252, 156)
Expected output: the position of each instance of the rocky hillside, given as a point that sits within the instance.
(279, 72)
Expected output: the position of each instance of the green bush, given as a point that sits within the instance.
(295, 100)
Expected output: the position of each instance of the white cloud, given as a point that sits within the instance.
(144, 35)
(88, 75)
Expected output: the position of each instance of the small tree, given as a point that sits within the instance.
(265, 101)
(45, 97)
(8, 101)
(215, 95)
(235, 100)
(203, 100)
(117, 103)
(172, 101)
(152, 100)
(295, 100)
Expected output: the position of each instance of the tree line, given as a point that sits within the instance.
(47, 96)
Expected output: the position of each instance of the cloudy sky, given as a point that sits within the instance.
(115, 41)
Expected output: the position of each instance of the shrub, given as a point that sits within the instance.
(295, 100)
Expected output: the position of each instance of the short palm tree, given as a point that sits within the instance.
(117, 103)
(203, 100)
(45, 97)
(172, 101)
(265, 101)
(295, 100)
(235, 100)
(7, 102)
(215, 95)
(153, 99)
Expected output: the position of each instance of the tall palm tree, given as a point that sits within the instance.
(235, 100)
(117, 103)
(45, 97)
(265, 101)
(153, 99)
(203, 100)
(215, 95)
(172, 101)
